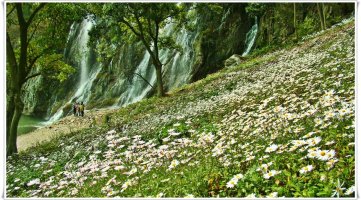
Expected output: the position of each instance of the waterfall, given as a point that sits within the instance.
(180, 68)
(177, 71)
(114, 88)
(223, 20)
(79, 52)
(138, 88)
(250, 38)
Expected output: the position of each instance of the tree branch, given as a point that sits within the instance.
(8, 14)
(39, 73)
(156, 39)
(141, 37)
(32, 34)
(19, 11)
(139, 24)
(131, 27)
(32, 62)
(136, 73)
(170, 59)
(32, 76)
(37, 9)
(150, 29)
(141, 30)
(10, 51)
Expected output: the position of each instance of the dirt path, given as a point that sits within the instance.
(64, 126)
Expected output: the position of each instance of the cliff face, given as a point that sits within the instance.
(129, 77)
(212, 40)
(221, 39)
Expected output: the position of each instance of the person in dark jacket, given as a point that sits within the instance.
(75, 108)
(81, 109)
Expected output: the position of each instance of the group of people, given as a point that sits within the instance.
(78, 109)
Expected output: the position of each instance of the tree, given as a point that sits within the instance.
(256, 9)
(324, 14)
(144, 21)
(34, 46)
(320, 9)
(295, 19)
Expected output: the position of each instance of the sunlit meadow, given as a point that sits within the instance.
(279, 125)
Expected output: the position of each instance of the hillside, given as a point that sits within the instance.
(281, 124)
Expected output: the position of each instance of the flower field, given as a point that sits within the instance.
(279, 125)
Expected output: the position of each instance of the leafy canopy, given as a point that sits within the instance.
(122, 23)
(46, 35)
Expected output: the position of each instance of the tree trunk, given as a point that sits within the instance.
(324, 15)
(18, 106)
(18, 72)
(11, 67)
(295, 19)
(160, 88)
(268, 32)
(320, 14)
(10, 109)
(17, 79)
(12, 148)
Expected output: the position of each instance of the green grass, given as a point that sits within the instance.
(198, 138)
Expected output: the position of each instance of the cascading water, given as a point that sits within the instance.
(223, 21)
(138, 88)
(113, 89)
(79, 52)
(180, 69)
(250, 38)
(177, 71)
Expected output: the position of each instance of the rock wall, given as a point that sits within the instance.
(213, 40)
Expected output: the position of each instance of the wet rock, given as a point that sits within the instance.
(234, 60)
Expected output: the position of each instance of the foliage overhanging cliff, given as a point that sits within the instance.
(217, 33)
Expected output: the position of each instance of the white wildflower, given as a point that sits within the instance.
(126, 185)
(160, 195)
(131, 172)
(111, 132)
(238, 176)
(339, 189)
(271, 148)
(232, 183)
(273, 195)
(120, 167)
(306, 169)
(325, 154)
(350, 190)
(314, 141)
(270, 174)
(251, 196)
(173, 164)
(330, 142)
(33, 182)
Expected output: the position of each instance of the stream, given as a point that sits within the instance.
(29, 123)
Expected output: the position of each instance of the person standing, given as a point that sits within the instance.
(81, 109)
(75, 108)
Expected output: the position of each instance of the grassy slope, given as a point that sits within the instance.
(196, 140)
